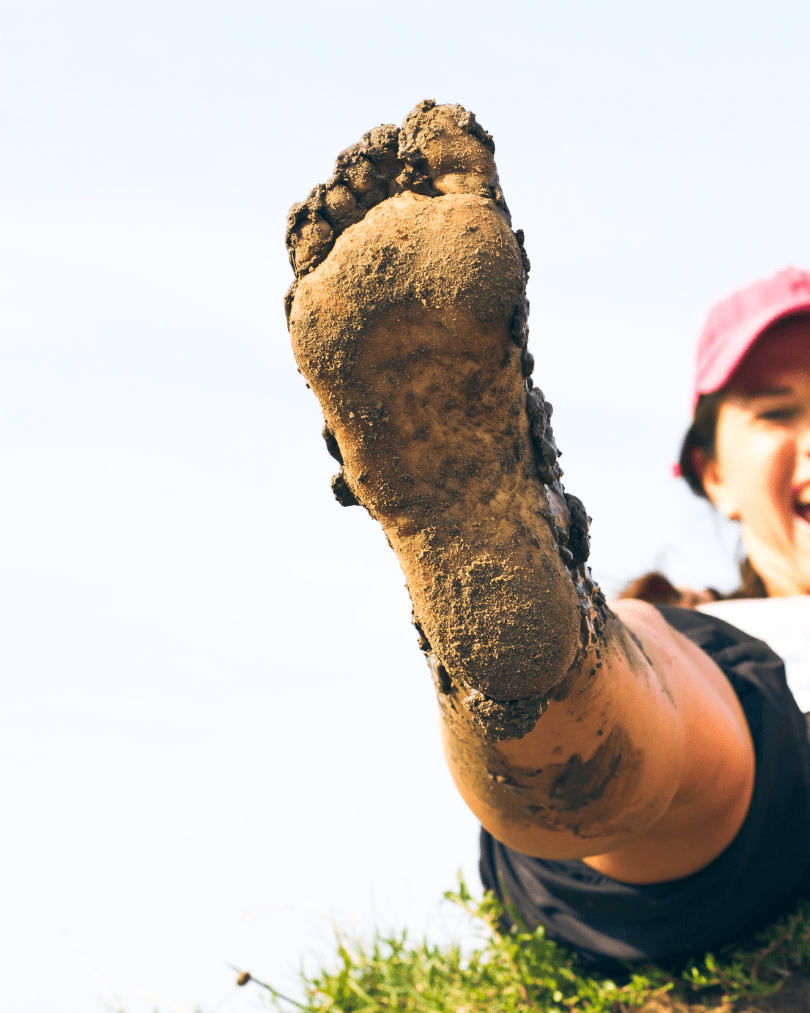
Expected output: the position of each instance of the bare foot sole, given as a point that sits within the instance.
(408, 320)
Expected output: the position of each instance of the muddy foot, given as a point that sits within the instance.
(408, 320)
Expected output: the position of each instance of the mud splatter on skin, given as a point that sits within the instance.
(626, 634)
(409, 321)
(578, 783)
(591, 797)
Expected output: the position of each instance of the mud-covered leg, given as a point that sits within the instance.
(409, 321)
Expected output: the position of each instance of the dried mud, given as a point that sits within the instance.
(409, 320)
(593, 797)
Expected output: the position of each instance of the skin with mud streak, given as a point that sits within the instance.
(594, 792)
(632, 656)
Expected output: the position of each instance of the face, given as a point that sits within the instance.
(760, 474)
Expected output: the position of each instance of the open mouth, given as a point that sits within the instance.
(801, 503)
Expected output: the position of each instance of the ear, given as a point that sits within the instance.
(714, 483)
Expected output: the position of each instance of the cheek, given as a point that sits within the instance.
(760, 471)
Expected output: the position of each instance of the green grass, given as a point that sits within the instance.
(522, 971)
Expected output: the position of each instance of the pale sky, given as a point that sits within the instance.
(218, 733)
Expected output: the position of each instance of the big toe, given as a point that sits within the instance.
(455, 151)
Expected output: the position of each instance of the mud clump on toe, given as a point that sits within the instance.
(409, 322)
(438, 150)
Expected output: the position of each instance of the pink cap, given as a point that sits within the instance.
(734, 325)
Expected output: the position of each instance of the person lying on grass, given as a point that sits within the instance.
(640, 772)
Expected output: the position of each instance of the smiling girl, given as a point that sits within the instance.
(748, 451)
(640, 772)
